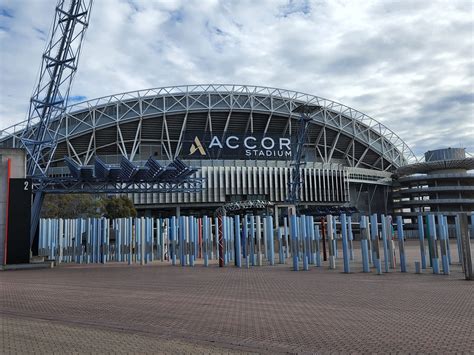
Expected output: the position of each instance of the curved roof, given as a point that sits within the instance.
(357, 129)
(437, 165)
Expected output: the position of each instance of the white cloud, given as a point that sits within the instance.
(406, 63)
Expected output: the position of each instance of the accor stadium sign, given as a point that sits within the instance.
(238, 147)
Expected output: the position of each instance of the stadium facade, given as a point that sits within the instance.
(441, 183)
(241, 138)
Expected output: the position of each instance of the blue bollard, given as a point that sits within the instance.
(271, 241)
(383, 220)
(446, 231)
(237, 241)
(458, 238)
(364, 243)
(281, 258)
(434, 260)
(294, 237)
(205, 245)
(421, 236)
(443, 242)
(373, 236)
(173, 240)
(345, 247)
(317, 238)
(252, 240)
(130, 240)
(244, 240)
(351, 237)
(401, 244)
(192, 240)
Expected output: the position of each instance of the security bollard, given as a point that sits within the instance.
(345, 247)
(294, 244)
(401, 244)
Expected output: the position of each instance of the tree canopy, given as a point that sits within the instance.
(87, 206)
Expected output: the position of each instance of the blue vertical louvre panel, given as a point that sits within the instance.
(317, 237)
(281, 257)
(373, 235)
(308, 242)
(161, 235)
(191, 236)
(149, 239)
(60, 241)
(252, 240)
(78, 244)
(104, 240)
(351, 237)
(244, 238)
(345, 244)
(205, 240)
(434, 244)
(448, 248)
(421, 237)
(196, 239)
(286, 237)
(245, 241)
(88, 240)
(140, 239)
(443, 245)
(171, 224)
(330, 234)
(271, 244)
(230, 239)
(401, 244)
(364, 243)
(458, 237)
(312, 240)
(301, 238)
(225, 229)
(181, 243)
(294, 242)
(237, 241)
(258, 242)
(216, 236)
(304, 229)
(130, 239)
(383, 221)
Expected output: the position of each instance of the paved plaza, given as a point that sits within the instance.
(157, 308)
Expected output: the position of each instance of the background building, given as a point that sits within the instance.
(441, 183)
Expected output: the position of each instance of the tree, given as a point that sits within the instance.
(118, 207)
(71, 206)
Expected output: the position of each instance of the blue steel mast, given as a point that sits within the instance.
(296, 181)
(49, 100)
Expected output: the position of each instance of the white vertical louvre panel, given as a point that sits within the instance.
(238, 177)
(271, 176)
(244, 172)
(222, 184)
(266, 190)
(227, 180)
(233, 182)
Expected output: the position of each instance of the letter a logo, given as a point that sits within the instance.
(197, 146)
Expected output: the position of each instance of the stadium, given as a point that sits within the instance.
(241, 140)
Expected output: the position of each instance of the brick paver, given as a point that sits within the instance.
(158, 308)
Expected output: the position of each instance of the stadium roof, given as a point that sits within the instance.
(349, 128)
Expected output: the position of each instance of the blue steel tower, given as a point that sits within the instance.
(59, 65)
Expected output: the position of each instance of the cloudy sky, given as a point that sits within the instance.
(406, 63)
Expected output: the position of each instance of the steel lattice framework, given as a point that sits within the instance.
(58, 66)
(342, 131)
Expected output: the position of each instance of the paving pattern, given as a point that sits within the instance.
(158, 308)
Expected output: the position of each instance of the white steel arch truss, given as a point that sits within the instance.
(341, 129)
